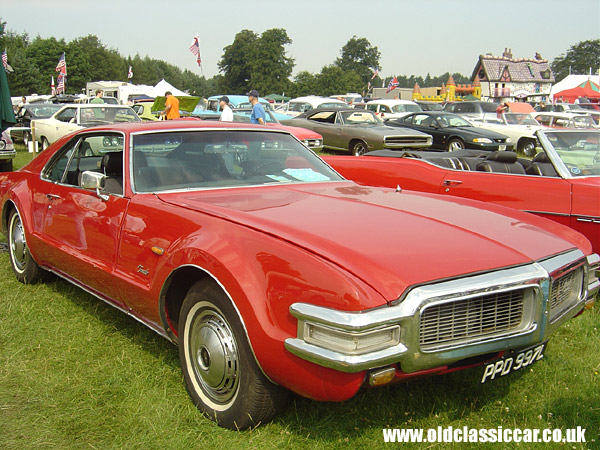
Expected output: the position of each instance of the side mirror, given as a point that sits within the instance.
(94, 181)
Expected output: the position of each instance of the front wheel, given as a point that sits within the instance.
(358, 148)
(45, 143)
(26, 270)
(455, 144)
(527, 147)
(221, 375)
(26, 138)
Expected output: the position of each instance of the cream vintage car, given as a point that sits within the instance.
(73, 117)
(519, 127)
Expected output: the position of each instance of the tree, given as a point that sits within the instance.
(360, 57)
(257, 62)
(235, 64)
(579, 59)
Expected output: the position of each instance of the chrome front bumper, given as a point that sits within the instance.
(548, 292)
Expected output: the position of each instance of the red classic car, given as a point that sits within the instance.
(273, 273)
(562, 181)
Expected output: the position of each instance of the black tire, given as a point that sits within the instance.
(26, 138)
(455, 144)
(45, 143)
(26, 270)
(527, 147)
(223, 379)
(358, 148)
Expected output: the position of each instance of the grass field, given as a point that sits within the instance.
(77, 374)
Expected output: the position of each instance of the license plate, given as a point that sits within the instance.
(502, 147)
(513, 361)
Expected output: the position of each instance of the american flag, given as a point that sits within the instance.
(5, 60)
(61, 84)
(195, 49)
(130, 73)
(393, 84)
(62, 65)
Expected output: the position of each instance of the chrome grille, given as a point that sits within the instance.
(565, 292)
(465, 320)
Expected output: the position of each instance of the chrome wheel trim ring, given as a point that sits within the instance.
(18, 244)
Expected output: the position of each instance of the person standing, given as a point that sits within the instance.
(171, 106)
(503, 108)
(258, 114)
(98, 97)
(226, 112)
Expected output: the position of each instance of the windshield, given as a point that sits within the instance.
(45, 110)
(405, 108)
(520, 119)
(579, 150)
(217, 158)
(91, 116)
(361, 117)
(487, 107)
(452, 121)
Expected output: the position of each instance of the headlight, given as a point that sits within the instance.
(349, 342)
(483, 140)
(508, 141)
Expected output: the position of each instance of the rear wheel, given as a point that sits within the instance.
(455, 144)
(358, 148)
(221, 375)
(6, 165)
(25, 268)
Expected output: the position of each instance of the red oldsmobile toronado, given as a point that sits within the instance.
(273, 273)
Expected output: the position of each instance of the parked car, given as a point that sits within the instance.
(471, 109)
(311, 139)
(451, 132)
(519, 127)
(213, 107)
(273, 273)
(561, 107)
(300, 105)
(144, 109)
(7, 152)
(392, 109)
(357, 130)
(561, 183)
(76, 116)
(564, 120)
(107, 100)
(21, 132)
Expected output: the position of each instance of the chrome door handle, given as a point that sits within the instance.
(53, 197)
(451, 182)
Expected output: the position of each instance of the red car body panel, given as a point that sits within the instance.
(563, 201)
(268, 247)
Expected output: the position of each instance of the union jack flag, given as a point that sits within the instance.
(393, 85)
(60, 87)
(195, 49)
(62, 65)
(5, 60)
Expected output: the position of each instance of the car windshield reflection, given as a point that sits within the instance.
(214, 159)
(361, 117)
(579, 151)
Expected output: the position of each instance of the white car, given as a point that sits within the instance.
(73, 117)
(519, 127)
(392, 109)
(300, 105)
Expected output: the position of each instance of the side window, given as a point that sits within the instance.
(67, 115)
(385, 109)
(372, 108)
(55, 169)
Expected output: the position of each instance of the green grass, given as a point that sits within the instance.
(78, 374)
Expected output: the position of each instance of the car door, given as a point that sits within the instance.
(425, 124)
(81, 227)
(545, 196)
(65, 122)
(324, 123)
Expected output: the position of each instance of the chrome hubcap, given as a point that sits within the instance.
(18, 245)
(214, 355)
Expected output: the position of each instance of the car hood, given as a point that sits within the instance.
(389, 239)
(300, 133)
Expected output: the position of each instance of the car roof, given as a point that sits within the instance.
(387, 101)
(175, 125)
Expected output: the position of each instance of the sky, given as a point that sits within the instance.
(413, 37)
